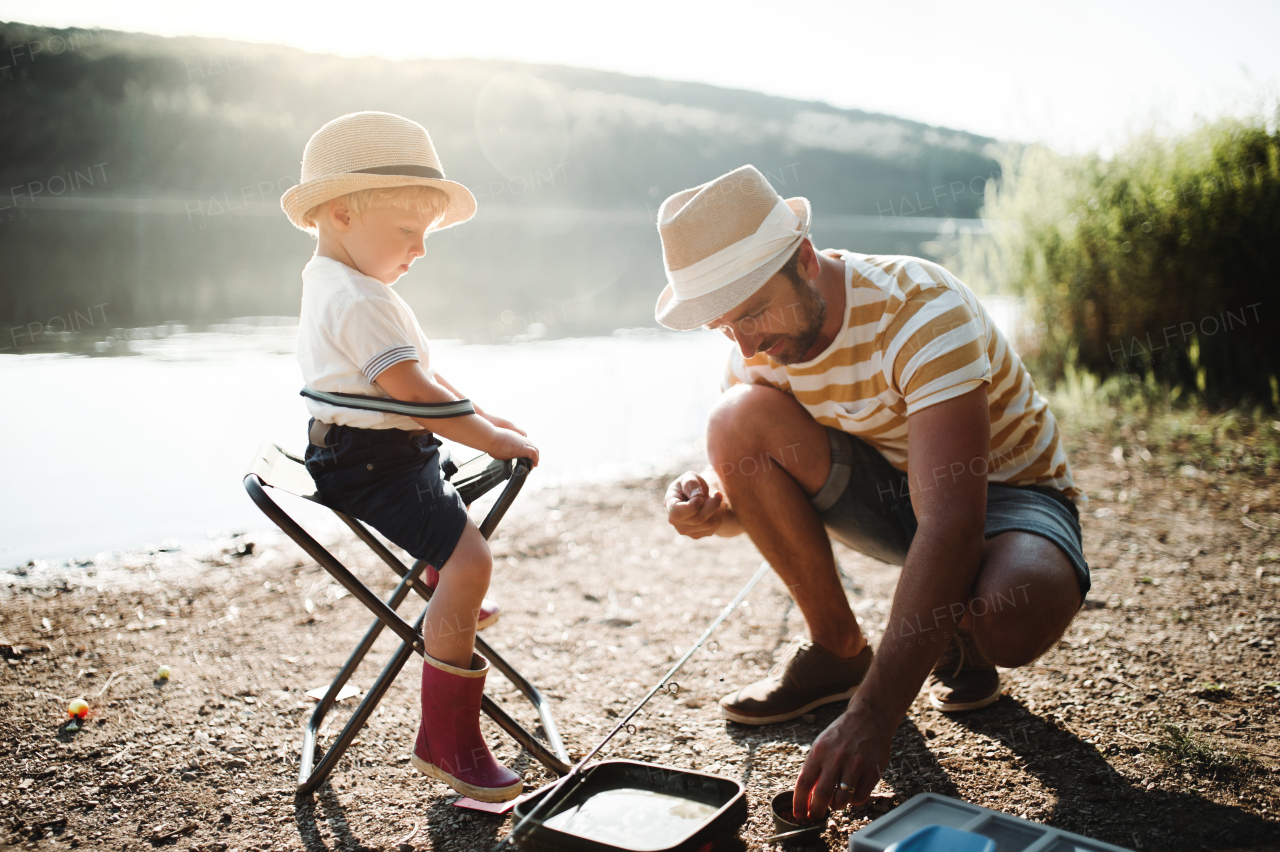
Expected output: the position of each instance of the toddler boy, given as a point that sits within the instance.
(372, 189)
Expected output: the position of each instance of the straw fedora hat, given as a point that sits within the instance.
(721, 242)
(366, 150)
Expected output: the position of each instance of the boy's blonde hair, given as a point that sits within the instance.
(420, 199)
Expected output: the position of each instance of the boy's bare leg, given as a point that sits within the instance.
(450, 746)
(449, 631)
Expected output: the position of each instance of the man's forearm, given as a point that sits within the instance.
(730, 526)
(933, 592)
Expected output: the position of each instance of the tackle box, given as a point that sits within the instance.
(1010, 833)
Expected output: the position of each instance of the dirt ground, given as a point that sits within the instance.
(1152, 725)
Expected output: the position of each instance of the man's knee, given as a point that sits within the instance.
(756, 427)
(1019, 611)
(740, 413)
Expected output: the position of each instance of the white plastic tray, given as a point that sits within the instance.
(1010, 833)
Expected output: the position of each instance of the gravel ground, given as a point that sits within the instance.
(1152, 725)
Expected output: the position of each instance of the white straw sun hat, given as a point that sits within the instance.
(721, 242)
(366, 150)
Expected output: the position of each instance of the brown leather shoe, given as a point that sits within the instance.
(963, 679)
(807, 677)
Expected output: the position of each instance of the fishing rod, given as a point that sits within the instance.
(625, 722)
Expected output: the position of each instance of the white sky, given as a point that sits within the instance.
(1078, 74)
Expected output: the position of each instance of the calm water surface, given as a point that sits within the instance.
(111, 453)
(114, 453)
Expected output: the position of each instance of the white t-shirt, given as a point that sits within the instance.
(352, 328)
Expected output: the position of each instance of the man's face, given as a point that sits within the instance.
(782, 319)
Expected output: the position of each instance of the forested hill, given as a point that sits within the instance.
(185, 117)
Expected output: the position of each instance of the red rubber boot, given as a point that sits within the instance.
(450, 747)
(489, 610)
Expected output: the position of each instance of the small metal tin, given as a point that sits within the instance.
(784, 822)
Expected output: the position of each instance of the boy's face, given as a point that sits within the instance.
(382, 241)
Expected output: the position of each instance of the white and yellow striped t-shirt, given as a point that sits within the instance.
(914, 335)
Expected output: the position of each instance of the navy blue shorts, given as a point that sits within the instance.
(866, 504)
(391, 480)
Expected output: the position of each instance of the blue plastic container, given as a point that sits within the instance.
(939, 838)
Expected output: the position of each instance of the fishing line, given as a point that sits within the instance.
(550, 796)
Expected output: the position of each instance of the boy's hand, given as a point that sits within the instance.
(512, 445)
(504, 424)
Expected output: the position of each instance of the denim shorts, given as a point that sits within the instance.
(866, 504)
(391, 480)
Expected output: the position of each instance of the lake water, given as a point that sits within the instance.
(104, 453)
(113, 453)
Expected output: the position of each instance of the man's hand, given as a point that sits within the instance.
(693, 508)
(507, 444)
(853, 749)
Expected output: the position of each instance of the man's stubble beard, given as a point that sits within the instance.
(813, 312)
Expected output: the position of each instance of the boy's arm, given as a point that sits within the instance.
(407, 382)
(500, 422)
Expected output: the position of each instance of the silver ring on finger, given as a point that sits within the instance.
(845, 787)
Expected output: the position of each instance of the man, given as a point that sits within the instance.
(871, 399)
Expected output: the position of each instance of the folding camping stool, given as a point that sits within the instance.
(273, 467)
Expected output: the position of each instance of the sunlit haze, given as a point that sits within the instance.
(1078, 75)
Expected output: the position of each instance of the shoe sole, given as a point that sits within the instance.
(488, 622)
(788, 716)
(960, 707)
(480, 794)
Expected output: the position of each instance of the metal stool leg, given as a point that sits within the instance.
(336, 569)
(310, 777)
(557, 759)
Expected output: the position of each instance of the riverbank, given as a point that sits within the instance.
(1152, 725)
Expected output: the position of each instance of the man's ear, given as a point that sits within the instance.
(808, 264)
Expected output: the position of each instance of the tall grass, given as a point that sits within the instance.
(1162, 261)
(1187, 437)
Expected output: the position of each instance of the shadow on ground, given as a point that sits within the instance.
(1088, 797)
